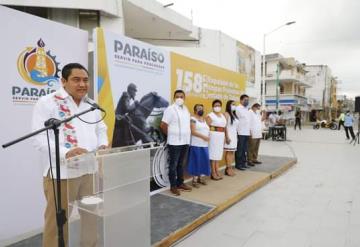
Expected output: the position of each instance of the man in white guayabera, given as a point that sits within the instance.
(176, 125)
(76, 138)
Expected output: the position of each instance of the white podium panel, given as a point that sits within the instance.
(109, 198)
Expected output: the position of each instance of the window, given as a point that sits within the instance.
(88, 20)
(265, 88)
(282, 89)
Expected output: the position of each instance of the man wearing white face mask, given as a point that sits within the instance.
(176, 125)
(243, 131)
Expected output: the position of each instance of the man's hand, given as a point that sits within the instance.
(75, 152)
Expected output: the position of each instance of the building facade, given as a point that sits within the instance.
(323, 92)
(285, 84)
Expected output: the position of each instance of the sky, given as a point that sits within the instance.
(326, 32)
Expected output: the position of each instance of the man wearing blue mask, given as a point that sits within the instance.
(243, 130)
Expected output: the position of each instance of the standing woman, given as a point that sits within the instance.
(199, 163)
(217, 122)
(231, 140)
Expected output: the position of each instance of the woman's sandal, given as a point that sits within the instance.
(227, 173)
(201, 181)
(195, 184)
(215, 178)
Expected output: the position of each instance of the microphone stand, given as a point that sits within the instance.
(54, 124)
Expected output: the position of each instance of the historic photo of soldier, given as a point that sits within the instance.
(136, 121)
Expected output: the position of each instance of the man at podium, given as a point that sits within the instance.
(76, 137)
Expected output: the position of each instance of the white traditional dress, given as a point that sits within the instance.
(217, 136)
(231, 129)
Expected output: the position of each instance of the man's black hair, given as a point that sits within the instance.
(66, 71)
(244, 96)
(179, 91)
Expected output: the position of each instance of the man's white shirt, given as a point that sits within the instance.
(256, 125)
(178, 120)
(89, 136)
(244, 117)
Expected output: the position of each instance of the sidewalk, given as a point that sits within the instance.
(317, 203)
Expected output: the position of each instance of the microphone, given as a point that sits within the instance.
(93, 104)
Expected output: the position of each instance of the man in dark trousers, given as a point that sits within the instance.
(243, 130)
(348, 123)
(297, 119)
(175, 124)
(341, 121)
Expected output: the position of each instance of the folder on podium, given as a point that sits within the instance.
(109, 197)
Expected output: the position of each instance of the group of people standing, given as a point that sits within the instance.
(202, 141)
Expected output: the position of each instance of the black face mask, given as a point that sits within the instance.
(200, 113)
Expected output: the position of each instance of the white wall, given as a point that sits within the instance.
(319, 76)
(253, 90)
(214, 47)
(271, 67)
(270, 88)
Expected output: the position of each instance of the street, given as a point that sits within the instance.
(314, 204)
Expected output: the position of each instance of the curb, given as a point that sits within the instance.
(177, 235)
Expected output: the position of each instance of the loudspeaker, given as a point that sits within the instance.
(357, 104)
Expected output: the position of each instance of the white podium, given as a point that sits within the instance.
(109, 198)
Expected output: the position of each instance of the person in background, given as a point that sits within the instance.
(297, 119)
(341, 120)
(348, 123)
(243, 131)
(273, 121)
(199, 163)
(281, 119)
(255, 134)
(265, 124)
(175, 125)
(231, 130)
(217, 122)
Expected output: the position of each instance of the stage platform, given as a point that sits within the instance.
(172, 218)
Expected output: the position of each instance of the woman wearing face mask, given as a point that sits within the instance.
(217, 122)
(231, 142)
(199, 163)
